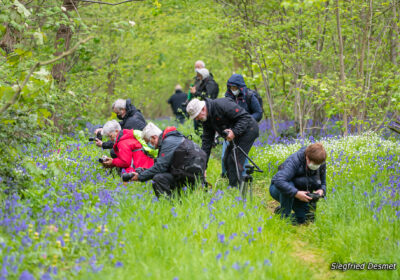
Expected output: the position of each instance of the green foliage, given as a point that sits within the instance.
(124, 232)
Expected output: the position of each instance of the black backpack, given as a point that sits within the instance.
(188, 162)
(250, 94)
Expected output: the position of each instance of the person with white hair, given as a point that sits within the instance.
(199, 64)
(227, 118)
(129, 152)
(176, 101)
(180, 161)
(130, 118)
(207, 87)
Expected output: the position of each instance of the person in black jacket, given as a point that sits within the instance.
(206, 87)
(131, 118)
(225, 116)
(241, 95)
(176, 101)
(238, 92)
(165, 181)
(302, 173)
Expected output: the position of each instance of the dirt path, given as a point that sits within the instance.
(306, 253)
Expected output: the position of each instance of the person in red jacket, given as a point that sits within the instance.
(129, 151)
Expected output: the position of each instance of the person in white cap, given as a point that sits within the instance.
(227, 118)
(180, 161)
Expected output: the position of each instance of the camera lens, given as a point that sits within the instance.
(127, 177)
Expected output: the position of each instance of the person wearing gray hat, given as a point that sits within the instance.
(227, 118)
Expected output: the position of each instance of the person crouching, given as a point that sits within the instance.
(299, 182)
(128, 150)
(180, 161)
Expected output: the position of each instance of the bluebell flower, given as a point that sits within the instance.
(25, 275)
(221, 237)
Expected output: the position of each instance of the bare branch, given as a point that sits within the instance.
(38, 64)
(106, 3)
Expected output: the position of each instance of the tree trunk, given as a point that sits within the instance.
(341, 59)
(62, 44)
(265, 77)
(394, 33)
(10, 38)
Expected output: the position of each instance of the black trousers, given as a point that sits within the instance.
(245, 141)
(166, 184)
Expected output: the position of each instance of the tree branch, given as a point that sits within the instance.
(38, 64)
(106, 3)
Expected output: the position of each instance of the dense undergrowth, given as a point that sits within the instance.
(75, 220)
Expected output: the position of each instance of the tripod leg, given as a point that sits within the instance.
(242, 189)
(236, 163)
(251, 190)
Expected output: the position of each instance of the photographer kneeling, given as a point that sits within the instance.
(128, 150)
(300, 182)
(180, 161)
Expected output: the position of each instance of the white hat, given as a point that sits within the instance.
(194, 107)
(203, 72)
(150, 130)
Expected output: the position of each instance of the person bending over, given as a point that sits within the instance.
(225, 117)
(130, 118)
(128, 150)
(180, 161)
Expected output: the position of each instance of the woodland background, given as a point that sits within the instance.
(309, 59)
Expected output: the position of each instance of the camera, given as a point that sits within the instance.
(224, 134)
(314, 197)
(126, 177)
(102, 159)
(98, 136)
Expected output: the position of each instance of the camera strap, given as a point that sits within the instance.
(136, 150)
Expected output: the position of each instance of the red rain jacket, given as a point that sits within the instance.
(126, 148)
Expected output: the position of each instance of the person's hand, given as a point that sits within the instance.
(135, 176)
(192, 90)
(205, 173)
(320, 192)
(98, 130)
(230, 135)
(108, 163)
(302, 196)
(99, 143)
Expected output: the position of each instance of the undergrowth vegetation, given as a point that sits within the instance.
(77, 220)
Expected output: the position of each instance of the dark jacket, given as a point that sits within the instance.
(224, 114)
(208, 87)
(245, 98)
(176, 101)
(133, 119)
(168, 141)
(294, 169)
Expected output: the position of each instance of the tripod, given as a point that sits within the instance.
(247, 182)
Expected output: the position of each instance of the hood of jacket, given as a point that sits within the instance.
(168, 131)
(238, 81)
(130, 109)
(124, 135)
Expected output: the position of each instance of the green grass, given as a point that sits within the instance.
(218, 236)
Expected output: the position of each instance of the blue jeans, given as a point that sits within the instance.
(224, 146)
(288, 203)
